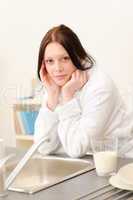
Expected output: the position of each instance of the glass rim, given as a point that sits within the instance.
(101, 139)
(95, 142)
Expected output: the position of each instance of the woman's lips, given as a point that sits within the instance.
(60, 76)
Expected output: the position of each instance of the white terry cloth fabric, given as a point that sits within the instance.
(96, 110)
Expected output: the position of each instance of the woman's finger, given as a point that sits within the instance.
(74, 75)
(42, 72)
(85, 75)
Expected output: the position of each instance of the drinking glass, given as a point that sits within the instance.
(105, 155)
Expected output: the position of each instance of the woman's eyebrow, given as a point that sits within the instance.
(56, 56)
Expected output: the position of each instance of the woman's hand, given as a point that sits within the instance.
(53, 90)
(77, 81)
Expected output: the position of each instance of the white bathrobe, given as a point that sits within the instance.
(96, 110)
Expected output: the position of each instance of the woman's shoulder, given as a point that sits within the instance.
(99, 85)
(100, 79)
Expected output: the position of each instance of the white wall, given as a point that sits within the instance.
(105, 28)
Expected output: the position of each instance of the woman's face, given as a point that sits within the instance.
(58, 63)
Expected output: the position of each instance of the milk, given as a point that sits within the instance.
(105, 162)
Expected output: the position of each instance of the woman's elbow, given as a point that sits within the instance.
(76, 152)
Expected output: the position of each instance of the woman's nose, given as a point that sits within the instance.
(58, 67)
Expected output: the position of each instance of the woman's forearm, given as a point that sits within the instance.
(46, 126)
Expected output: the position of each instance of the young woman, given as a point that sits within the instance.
(80, 101)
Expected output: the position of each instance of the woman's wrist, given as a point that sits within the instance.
(67, 96)
(52, 103)
(51, 106)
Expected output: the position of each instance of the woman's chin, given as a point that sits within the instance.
(61, 83)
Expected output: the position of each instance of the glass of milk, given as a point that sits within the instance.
(105, 155)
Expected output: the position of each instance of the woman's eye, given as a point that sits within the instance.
(65, 58)
(49, 61)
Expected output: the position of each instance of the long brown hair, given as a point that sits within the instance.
(69, 40)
